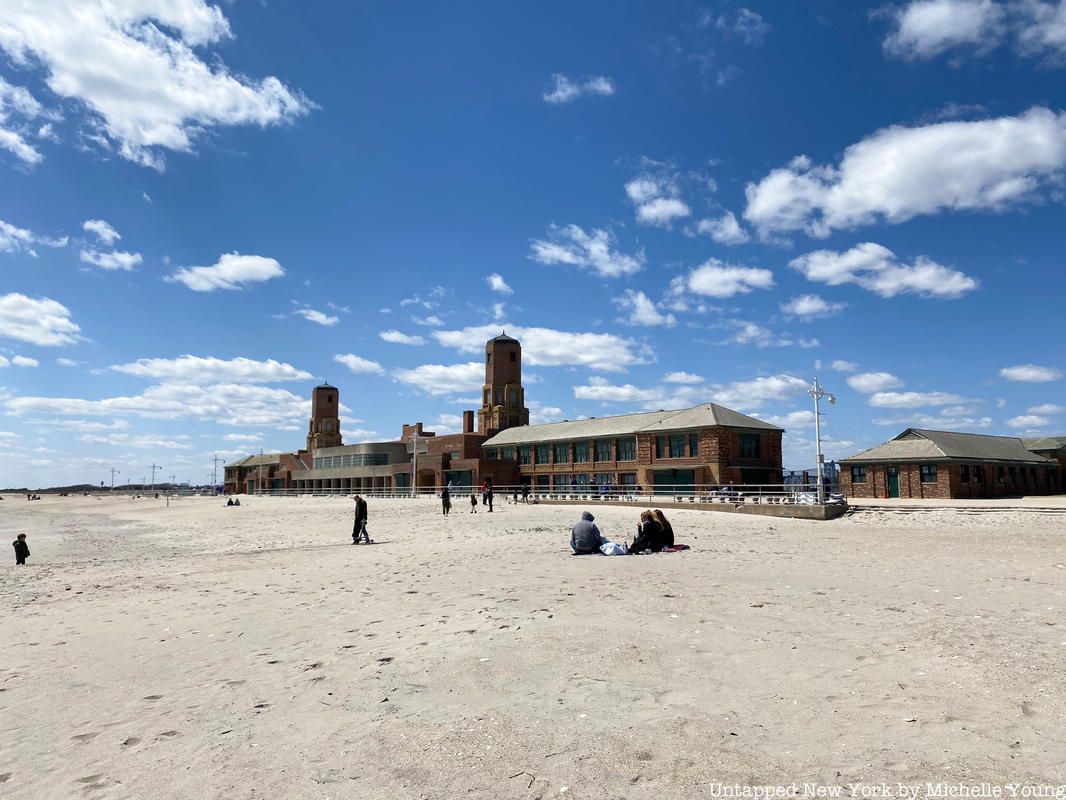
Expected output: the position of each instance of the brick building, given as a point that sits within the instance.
(945, 464)
(703, 445)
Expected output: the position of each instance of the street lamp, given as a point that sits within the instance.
(817, 391)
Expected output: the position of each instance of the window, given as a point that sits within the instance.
(627, 478)
(329, 398)
(488, 358)
(499, 397)
(999, 474)
(581, 452)
(507, 454)
(514, 357)
(512, 395)
(693, 445)
(490, 453)
(964, 473)
(749, 445)
(561, 483)
(660, 447)
(525, 455)
(858, 474)
(625, 449)
(562, 453)
(603, 450)
(677, 445)
(603, 479)
(978, 473)
(928, 473)
(543, 454)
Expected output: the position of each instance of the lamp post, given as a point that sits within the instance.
(817, 391)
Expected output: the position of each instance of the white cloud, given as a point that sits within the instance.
(840, 365)
(116, 259)
(319, 318)
(540, 414)
(682, 377)
(870, 382)
(747, 332)
(18, 101)
(1046, 408)
(25, 361)
(1028, 421)
(546, 347)
(359, 365)
(242, 437)
(432, 321)
(642, 310)
(914, 399)
(757, 392)
(657, 200)
(926, 28)
(715, 278)
(21, 240)
(397, 337)
(875, 268)
(140, 442)
(498, 284)
(600, 389)
(564, 90)
(80, 425)
(724, 229)
(229, 404)
(41, 321)
(203, 370)
(1031, 373)
(939, 422)
(571, 245)
(793, 419)
(67, 362)
(444, 378)
(146, 86)
(232, 271)
(102, 231)
(810, 306)
(746, 24)
(899, 173)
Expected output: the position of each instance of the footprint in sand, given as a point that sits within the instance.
(131, 741)
(154, 697)
(168, 734)
(85, 737)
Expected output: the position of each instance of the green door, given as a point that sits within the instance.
(893, 481)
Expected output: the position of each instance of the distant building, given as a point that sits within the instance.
(946, 464)
(706, 444)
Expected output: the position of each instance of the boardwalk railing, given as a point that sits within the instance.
(792, 493)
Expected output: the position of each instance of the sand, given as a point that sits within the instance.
(199, 651)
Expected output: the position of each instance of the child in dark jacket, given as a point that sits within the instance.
(22, 550)
(473, 503)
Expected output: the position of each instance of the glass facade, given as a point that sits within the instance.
(353, 460)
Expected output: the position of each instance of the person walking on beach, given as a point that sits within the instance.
(446, 500)
(473, 503)
(359, 526)
(486, 493)
(22, 550)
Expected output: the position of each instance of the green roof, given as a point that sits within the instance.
(918, 444)
(706, 415)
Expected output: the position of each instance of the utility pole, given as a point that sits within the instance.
(817, 391)
(114, 472)
(259, 475)
(154, 468)
(214, 470)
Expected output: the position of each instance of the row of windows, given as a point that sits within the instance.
(512, 396)
(967, 473)
(583, 481)
(353, 460)
(677, 445)
(584, 452)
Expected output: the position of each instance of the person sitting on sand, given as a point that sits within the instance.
(236, 501)
(649, 535)
(22, 550)
(229, 502)
(668, 530)
(585, 537)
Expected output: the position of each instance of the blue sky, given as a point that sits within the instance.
(207, 208)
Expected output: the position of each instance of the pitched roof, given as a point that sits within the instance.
(1045, 443)
(918, 444)
(701, 416)
(257, 460)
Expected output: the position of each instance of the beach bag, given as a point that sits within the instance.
(614, 549)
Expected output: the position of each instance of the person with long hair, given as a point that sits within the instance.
(649, 534)
(668, 531)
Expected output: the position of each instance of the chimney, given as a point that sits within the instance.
(468, 422)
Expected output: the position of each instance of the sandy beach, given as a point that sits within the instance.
(198, 651)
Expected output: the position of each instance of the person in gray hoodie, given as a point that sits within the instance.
(585, 537)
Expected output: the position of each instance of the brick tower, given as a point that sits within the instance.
(325, 428)
(503, 398)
